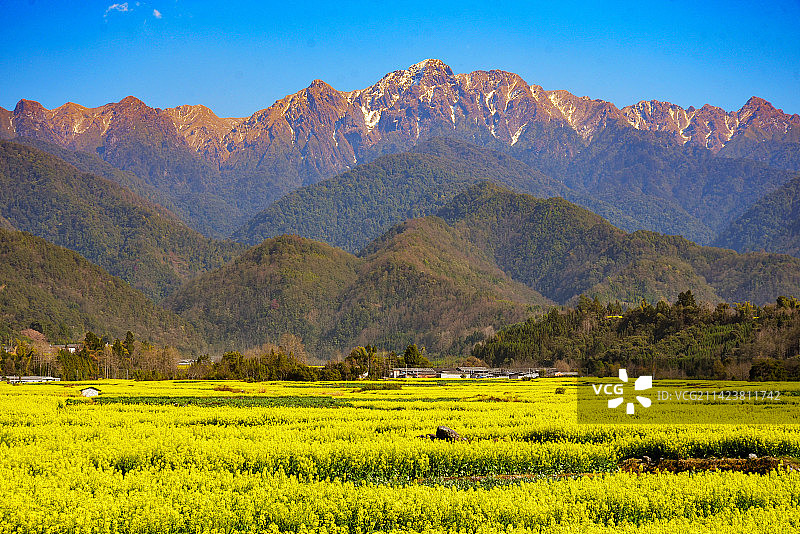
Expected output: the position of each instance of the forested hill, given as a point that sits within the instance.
(284, 285)
(91, 163)
(772, 224)
(65, 296)
(423, 284)
(562, 251)
(682, 339)
(488, 258)
(353, 208)
(129, 236)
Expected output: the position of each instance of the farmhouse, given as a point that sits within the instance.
(451, 374)
(523, 375)
(414, 372)
(29, 379)
(464, 372)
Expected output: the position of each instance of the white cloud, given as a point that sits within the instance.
(122, 8)
(157, 13)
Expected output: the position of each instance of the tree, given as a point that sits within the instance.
(129, 343)
(686, 299)
(366, 360)
(91, 342)
(790, 303)
(414, 358)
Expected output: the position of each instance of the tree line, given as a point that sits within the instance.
(276, 363)
(98, 358)
(684, 339)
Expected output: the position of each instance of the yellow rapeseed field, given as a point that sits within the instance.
(233, 457)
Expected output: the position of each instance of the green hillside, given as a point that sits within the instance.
(65, 296)
(488, 259)
(351, 209)
(772, 224)
(422, 283)
(132, 238)
(666, 188)
(285, 285)
(562, 251)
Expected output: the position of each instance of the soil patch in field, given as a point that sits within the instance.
(745, 465)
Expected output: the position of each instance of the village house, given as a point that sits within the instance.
(29, 379)
(464, 373)
(452, 374)
(413, 372)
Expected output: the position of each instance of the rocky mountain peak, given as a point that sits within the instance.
(131, 104)
(758, 102)
(325, 130)
(430, 71)
(658, 116)
(29, 107)
(709, 127)
(586, 116)
(203, 130)
(319, 92)
(131, 100)
(320, 85)
(431, 64)
(758, 109)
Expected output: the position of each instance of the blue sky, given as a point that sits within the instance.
(239, 57)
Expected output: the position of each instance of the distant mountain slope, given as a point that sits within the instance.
(92, 163)
(678, 190)
(421, 284)
(359, 205)
(779, 154)
(637, 180)
(562, 251)
(488, 256)
(65, 294)
(218, 172)
(771, 224)
(131, 237)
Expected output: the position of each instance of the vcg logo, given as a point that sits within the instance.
(642, 383)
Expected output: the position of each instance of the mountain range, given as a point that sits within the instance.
(430, 207)
(217, 173)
